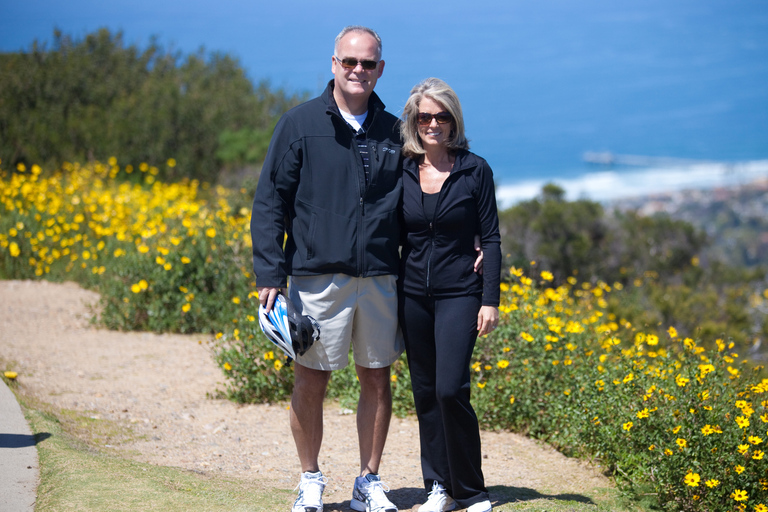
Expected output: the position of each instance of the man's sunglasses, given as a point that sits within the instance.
(351, 63)
(425, 119)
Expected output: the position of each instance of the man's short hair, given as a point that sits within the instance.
(361, 29)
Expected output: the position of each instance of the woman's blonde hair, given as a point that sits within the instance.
(439, 91)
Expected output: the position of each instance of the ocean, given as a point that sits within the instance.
(676, 92)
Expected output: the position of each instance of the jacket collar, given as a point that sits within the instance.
(461, 163)
(374, 102)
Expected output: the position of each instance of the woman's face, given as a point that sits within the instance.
(433, 134)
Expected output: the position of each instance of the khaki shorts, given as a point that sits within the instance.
(361, 311)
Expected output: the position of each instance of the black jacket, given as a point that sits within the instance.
(438, 258)
(312, 188)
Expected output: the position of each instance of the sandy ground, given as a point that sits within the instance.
(158, 386)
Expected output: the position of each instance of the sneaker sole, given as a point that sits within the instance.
(358, 505)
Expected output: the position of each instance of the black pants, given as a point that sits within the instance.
(439, 337)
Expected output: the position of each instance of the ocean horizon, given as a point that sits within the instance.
(607, 183)
(680, 84)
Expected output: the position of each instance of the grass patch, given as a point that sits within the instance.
(74, 475)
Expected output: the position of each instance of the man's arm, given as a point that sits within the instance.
(276, 189)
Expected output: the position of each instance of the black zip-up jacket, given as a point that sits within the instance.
(438, 257)
(312, 188)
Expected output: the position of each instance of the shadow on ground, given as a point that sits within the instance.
(22, 440)
(408, 498)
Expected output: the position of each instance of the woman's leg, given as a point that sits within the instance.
(455, 321)
(417, 322)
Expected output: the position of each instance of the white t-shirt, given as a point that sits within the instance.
(354, 121)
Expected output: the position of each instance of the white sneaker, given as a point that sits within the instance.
(311, 487)
(368, 495)
(483, 506)
(438, 501)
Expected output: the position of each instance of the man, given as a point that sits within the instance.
(329, 190)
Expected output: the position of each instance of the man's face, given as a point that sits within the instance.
(356, 81)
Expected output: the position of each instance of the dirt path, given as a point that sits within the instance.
(157, 384)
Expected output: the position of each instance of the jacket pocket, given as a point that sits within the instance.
(311, 236)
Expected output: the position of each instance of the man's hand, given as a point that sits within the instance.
(487, 320)
(479, 260)
(267, 297)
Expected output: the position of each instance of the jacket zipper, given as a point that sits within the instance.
(362, 189)
(429, 258)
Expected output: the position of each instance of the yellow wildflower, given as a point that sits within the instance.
(692, 479)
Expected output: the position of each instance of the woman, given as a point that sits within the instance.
(448, 197)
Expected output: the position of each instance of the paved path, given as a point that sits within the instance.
(18, 457)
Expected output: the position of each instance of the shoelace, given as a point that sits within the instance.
(313, 488)
(437, 495)
(377, 491)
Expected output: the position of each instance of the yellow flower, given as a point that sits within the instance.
(268, 356)
(185, 260)
(512, 399)
(681, 381)
(481, 385)
(278, 364)
(627, 426)
(210, 232)
(672, 332)
(754, 440)
(186, 307)
(652, 339)
(712, 483)
(761, 508)
(503, 363)
(10, 375)
(547, 276)
(643, 414)
(629, 378)
(135, 288)
(742, 422)
(526, 336)
(393, 378)
(14, 248)
(692, 479)
(739, 495)
(758, 455)
(227, 366)
(235, 300)
(667, 451)
(742, 448)
(739, 469)
(682, 443)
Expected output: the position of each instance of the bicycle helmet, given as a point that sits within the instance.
(290, 331)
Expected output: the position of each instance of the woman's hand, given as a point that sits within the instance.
(487, 320)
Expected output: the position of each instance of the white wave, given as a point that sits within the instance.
(611, 185)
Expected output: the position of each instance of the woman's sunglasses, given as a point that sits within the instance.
(351, 63)
(425, 119)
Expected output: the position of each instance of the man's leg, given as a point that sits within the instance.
(374, 411)
(307, 414)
